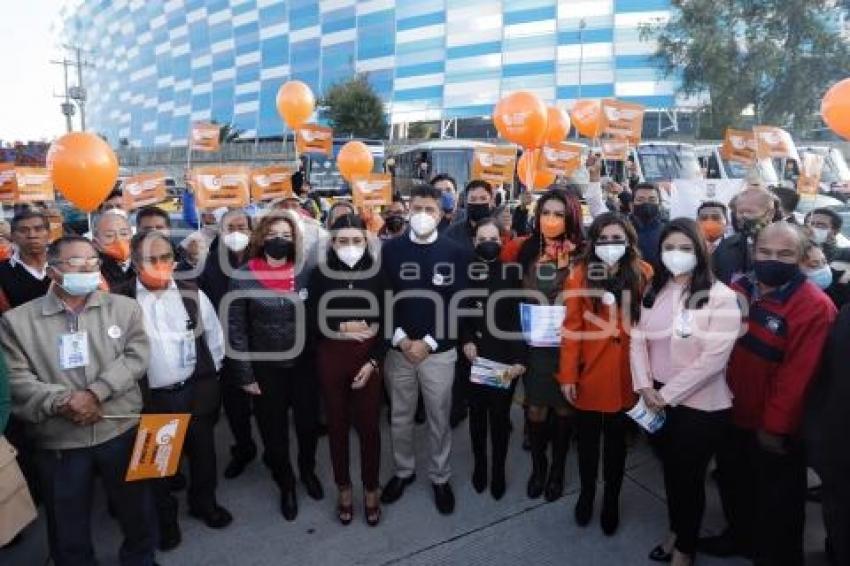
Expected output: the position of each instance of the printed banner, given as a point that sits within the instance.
(158, 446)
(221, 185)
(271, 182)
(313, 138)
(739, 146)
(205, 136)
(810, 170)
(144, 189)
(622, 120)
(561, 158)
(8, 183)
(374, 189)
(774, 142)
(615, 150)
(494, 164)
(34, 185)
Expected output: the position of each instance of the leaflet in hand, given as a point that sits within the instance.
(541, 324)
(488, 372)
(649, 420)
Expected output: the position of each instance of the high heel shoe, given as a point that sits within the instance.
(373, 513)
(344, 511)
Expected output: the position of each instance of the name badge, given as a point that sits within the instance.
(188, 355)
(74, 350)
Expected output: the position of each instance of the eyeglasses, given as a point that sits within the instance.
(90, 262)
(157, 259)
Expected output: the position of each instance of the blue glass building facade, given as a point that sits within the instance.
(159, 65)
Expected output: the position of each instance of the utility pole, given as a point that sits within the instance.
(78, 92)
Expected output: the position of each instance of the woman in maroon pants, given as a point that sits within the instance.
(350, 348)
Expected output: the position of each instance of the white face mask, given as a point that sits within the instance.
(350, 255)
(423, 224)
(820, 235)
(610, 253)
(236, 241)
(678, 262)
(822, 276)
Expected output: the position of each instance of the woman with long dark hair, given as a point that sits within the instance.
(603, 301)
(545, 260)
(688, 325)
(268, 338)
(349, 352)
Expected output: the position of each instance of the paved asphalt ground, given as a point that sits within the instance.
(515, 530)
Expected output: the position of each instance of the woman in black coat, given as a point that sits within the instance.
(490, 399)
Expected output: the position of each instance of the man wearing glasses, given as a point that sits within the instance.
(187, 348)
(112, 233)
(75, 357)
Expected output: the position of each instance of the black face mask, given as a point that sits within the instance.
(488, 251)
(477, 212)
(775, 273)
(395, 223)
(646, 211)
(279, 248)
(749, 226)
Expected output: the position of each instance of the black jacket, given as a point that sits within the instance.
(334, 276)
(265, 324)
(214, 279)
(114, 274)
(495, 277)
(731, 256)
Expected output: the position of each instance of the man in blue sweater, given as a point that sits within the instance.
(424, 271)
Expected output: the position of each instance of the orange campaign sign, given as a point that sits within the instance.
(774, 142)
(622, 119)
(494, 164)
(54, 220)
(561, 158)
(158, 446)
(204, 136)
(810, 171)
(739, 146)
(313, 138)
(34, 185)
(615, 149)
(8, 183)
(221, 185)
(144, 189)
(374, 189)
(271, 182)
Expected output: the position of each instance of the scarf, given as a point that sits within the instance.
(281, 279)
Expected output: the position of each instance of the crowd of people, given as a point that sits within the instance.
(726, 326)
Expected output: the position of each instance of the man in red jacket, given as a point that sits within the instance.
(762, 467)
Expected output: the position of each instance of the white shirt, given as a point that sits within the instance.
(39, 274)
(166, 322)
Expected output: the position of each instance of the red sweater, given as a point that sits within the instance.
(773, 364)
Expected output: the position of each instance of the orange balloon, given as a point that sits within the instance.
(835, 108)
(526, 169)
(587, 118)
(295, 103)
(558, 125)
(354, 159)
(84, 169)
(521, 117)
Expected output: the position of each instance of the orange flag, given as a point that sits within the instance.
(158, 446)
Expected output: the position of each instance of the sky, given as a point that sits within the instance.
(28, 110)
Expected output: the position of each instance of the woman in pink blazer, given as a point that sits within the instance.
(688, 325)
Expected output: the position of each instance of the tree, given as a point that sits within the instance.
(774, 57)
(353, 108)
(420, 131)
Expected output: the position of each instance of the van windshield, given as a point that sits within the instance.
(667, 162)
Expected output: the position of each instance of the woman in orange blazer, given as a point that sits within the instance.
(602, 298)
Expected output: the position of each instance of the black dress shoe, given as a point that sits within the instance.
(497, 485)
(312, 485)
(554, 487)
(238, 463)
(658, 554)
(169, 535)
(215, 518)
(584, 508)
(395, 488)
(288, 504)
(479, 477)
(610, 517)
(177, 482)
(444, 498)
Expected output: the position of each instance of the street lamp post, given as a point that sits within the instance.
(582, 23)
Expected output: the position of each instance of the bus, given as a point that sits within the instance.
(324, 176)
